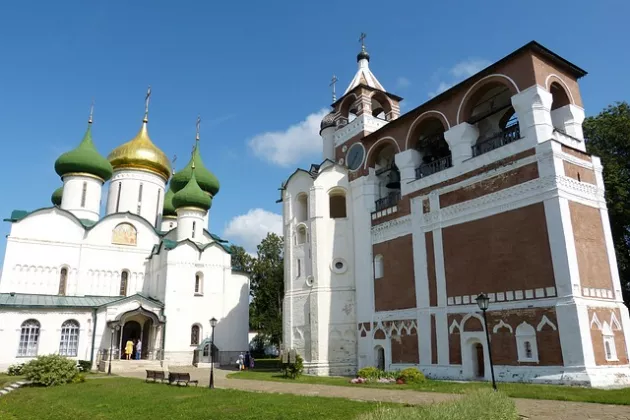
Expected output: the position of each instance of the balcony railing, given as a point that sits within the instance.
(430, 168)
(388, 201)
(507, 136)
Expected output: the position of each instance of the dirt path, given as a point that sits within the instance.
(528, 409)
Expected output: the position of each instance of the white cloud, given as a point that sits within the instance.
(288, 147)
(459, 72)
(247, 230)
(403, 82)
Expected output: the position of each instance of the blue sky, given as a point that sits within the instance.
(258, 73)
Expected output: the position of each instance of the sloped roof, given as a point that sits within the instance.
(22, 300)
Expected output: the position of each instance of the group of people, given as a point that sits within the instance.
(245, 362)
(133, 347)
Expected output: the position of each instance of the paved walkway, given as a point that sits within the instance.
(528, 409)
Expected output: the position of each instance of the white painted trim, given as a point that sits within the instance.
(545, 321)
(479, 81)
(500, 325)
(547, 85)
(413, 124)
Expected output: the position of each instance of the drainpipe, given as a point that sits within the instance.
(93, 337)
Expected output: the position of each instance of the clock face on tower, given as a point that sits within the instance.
(355, 156)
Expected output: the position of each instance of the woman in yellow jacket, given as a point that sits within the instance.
(128, 349)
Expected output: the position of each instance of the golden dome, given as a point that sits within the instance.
(141, 153)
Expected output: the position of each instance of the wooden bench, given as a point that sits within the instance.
(156, 375)
(177, 378)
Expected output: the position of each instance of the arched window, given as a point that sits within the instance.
(83, 194)
(559, 96)
(29, 338)
(195, 333)
(206, 350)
(63, 281)
(199, 284)
(301, 208)
(526, 345)
(378, 266)
(139, 209)
(124, 280)
(118, 196)
(69, 343)
(337, 200)
(610, 350)
(194, 228)
(301, 235)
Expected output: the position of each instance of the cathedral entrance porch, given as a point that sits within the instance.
(137, 324)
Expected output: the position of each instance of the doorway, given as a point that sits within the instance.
(380, 357)
(131, 331)
(479, 366)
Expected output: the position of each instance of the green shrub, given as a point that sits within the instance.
(85, 365)
(51, 370)
(370, 373)
(16, 370)
(411, 376)
(293, 370)
(479, 405)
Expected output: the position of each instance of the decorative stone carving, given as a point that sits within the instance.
(392, 229)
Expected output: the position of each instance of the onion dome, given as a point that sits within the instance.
(169, 208)
(56, 196)
(363, 55)
(140, 153)
(327, 121)
(206, 179)
(192, 195)
(85, 159)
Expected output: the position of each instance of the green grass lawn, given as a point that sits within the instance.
(8, 380)
(539, 392)
(130, 399)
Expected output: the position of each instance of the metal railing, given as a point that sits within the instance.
(437, 165)
(388, 201)
(507, 136)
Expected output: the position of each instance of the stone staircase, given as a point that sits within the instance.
(133, 365)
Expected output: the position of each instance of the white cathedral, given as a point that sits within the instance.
(81, 284)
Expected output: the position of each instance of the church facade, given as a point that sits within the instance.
(486, 187)
(81, 284)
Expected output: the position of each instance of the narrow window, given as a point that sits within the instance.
(118, 196)
(528, 350)
(299, 266)
(198, 284)
(29, 338)
(194, 227)
(69, 343)
(63, 281)
(157, 207)
(337, 202)
(124, 278)
(206, 350)
(378, 267)
(608, 350)
(83, 194)
(194, 335)
(579, 177)
(140, 198)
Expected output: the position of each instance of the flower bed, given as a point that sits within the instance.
(375, 375)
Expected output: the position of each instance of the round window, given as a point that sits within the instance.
(339, 266)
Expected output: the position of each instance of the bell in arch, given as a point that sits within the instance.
(393, 179)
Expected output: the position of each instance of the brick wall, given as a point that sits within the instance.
(397, 288)
(405, 348)
(506, 251)
(605, 315)
(590, 247)
(579, 173)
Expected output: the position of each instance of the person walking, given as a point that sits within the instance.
(138, 349)
(247, 359)
(128, 349)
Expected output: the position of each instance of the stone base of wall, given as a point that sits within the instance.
(330, 369)
(607, 377)
(181, 358)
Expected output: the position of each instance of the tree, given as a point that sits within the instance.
(241, 260)
(608, 136)
(267, 289)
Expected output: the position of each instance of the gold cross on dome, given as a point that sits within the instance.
(362, 39)
(146, 104)
(91, 112)
(198, 125)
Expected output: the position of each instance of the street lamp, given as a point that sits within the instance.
(483, 301)
(111, 344)
(213, 323)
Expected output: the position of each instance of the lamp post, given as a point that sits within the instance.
(111, 344)
(483, 301)
(213, 323)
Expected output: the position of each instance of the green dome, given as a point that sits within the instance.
(56, 196)
(84, 159)
(192, 195)
(169, 208)
(206, 179)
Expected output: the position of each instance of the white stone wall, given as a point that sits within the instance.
(129, 181)
(88, 208)
(49, 333)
